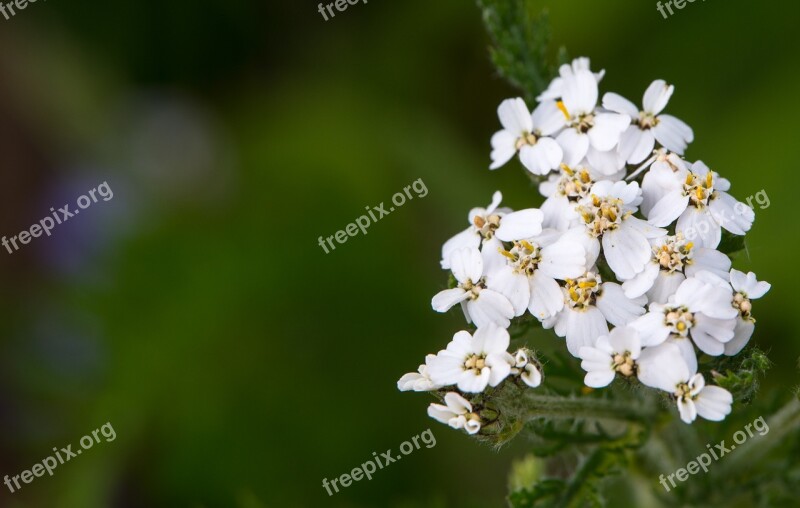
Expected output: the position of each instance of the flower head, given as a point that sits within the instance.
(457, 413)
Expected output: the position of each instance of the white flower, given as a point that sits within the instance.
(526, 274)
(528, 134)
(556, 88)
(419, 381)
(589, 133)
(648, 126)
(589, 303)
(485, 224)
(663, 367)
(673, 259)
(697, 199)
(457, 413)
(698, 309)
(473, 362)
(529, 371)
(608, 213)
(564, 190)
(616, 352)
(480, 304)
(746, 288)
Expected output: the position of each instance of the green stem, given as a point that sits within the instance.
(532, 406)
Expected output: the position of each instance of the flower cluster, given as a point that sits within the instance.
(621, 260)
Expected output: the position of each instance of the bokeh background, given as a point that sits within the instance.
(237, 362)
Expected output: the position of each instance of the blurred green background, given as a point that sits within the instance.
(237, 362)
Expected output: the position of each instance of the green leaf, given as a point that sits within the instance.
(520, 36)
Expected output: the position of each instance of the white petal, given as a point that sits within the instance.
(635, 145)
(608, 127)
(465, 239)
(500, 366)
(730, 214)
(531, 376)
(542, 157)
(583, 328)
(710, 335)
(642, 282)
(580, 92)
(627, 251)
(686, 348)
(546, 297)
(616, 307)
(673, 134)
(698, 226)
(444, 300)
(625, 339)
(619, 104)
(467, 264)
(514, 116)
(504, 146)
(548, 119)
(472, 427)
(520, 225)
(565, 259)
(709, 260)
(514, 286)
(665, 285)
(470, 382)
(599, 378)
(490, 307)
(457, 404)
(687, 409)
(607, 163)
(440, 413)
(574, 145)
(668, 208)
(651, 327)
(714, 403)
(662, 367)
(491, 340)
(656, 97)
(741, 336)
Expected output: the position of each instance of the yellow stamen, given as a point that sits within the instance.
(567, 169)
(527, 245)
(709, 180)
(587, 284)
(507, 254)
(563, 109)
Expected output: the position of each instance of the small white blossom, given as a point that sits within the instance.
(613, 353)
(589, 134)
(588, 304)
(699, 309)
(529, 134)
(529, 371)
(419, 381)
(481, 304)
(673, 259)
(473, 362)
(663, 367)
(556, 88)
(746, 288)
(697, 198)
(607, 213)
(638, 141)
(457, 413)
(526, 273)
(485, 225)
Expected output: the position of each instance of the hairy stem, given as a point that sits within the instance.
(532, 406)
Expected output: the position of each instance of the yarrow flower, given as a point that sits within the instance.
(663, 367)
(457, 413)
(622, 260)
(529, 134)
(473, 362)
(638, 141)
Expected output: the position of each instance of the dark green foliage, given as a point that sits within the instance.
(520, 34)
